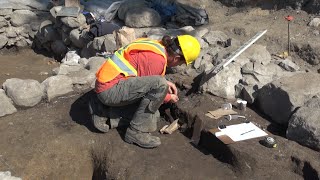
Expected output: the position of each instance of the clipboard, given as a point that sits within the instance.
(224, 138)
(238, 132)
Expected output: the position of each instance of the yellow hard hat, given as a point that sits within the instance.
(190, 47)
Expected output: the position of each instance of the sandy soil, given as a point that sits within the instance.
(25, 64)
(56, 140)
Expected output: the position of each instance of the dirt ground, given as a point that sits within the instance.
(56, 141)
(25, 64)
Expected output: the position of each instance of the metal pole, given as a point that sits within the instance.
(288, 38)
(289, 18)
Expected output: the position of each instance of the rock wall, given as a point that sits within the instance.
(19, 21)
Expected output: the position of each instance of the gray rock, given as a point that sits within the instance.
(141, 32)
(25, 93)
(257, 53)
(207, 58)
(155, 31)
(55, 86)
(6, 106)
(3, 40)
(20, 17)
(73, 22)
(314, 22)
(64, 69)
(3, 22)
(254, 73)
(95, 63)
(310, 52)
(280, 98)
(54, 10)
(213, 37)
(142, 17)
(250, 93)
(109, 43)
(11, 33)
(7, 176)
(83, 61)
(35, 26)
(203, 43)
(200, 32)
(122, 11)
(83, 76)
(76, 38)
(223, 84)
(22, 42)
(11, 42)
(304, 125)
(5, 11)
(97, 43)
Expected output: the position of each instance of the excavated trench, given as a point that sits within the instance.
(247, 158)
(240, 160)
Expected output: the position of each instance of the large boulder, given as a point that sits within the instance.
(304, 125)
(142, 17)
(95, 63)
(125, 7)
(3, 41)
(55, 86)
(6, 106)
(215, 37)
(25, 93)
(74, 22)
(257, 53)
(223, 84)
(280, 98)
(20, 17)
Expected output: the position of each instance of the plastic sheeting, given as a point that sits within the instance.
(103, 10)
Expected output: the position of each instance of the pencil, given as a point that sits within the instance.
(247, 132)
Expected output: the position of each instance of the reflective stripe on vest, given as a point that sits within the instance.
(117, 64)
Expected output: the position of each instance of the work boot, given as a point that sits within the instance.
(97, 111)
(100, 123)
(141, 139)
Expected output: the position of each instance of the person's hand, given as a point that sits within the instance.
(174, 98)
(172, 88)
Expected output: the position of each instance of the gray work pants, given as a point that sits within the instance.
(147, 91)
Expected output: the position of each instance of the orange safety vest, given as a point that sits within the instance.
(117, 63)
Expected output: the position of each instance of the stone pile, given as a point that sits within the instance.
(19, 21)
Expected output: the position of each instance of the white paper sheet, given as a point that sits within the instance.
(239, 132)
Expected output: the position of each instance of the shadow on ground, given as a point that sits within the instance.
(79, 111)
